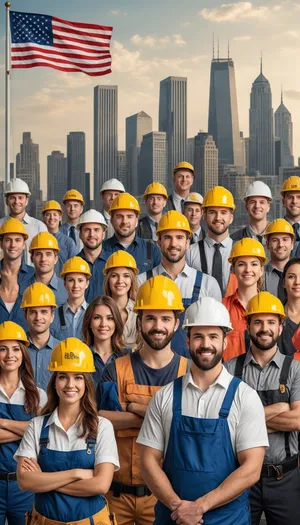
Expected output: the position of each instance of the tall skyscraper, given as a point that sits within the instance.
(223, 120)
(190, 150)
(284, 130)
(121, 167)
(105, 136)
(76, 161)
(57, 176)
(153, 160)
(28, 168)
(261, 128)
(136, 126)
(173, 120)
(205, 163)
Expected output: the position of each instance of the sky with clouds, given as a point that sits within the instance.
(151, 41)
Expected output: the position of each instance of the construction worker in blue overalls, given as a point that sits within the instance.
(174, 234)
(68, 455)
(20, 401)
(204, 435)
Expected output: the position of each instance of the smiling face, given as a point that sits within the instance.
(11, 356)
(280, 246)
(155, 204)
(183, 180)
(44, 260)
(257, 207)
(39, 318)
(124, 222)
(92, 235)
(173, 244)
(248, 270)
(73, 210)
(70, 387)
(13, 245)
(52, 220)
(264, 330)
(218, 219)
(157, 327)
(17, 203)
(76, 284)
(102, 323)
(119, 281)
(206, 345)
(193, 213)
(292, 281)
(291, 202)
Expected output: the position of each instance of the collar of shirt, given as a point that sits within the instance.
(223, 380)
(270, 268)
(289, 220)
(106, 215)
(152, 221)
(197, 232)
(54, 420)
(102, 257)
(129, 306)
(27, 219)
(54, 281)
(278, 359)
(67, 307)
(187, 271)
(212, 242)
(251, 233)
(176, 197)
(51, 343)
(114, 241)
(19, 387)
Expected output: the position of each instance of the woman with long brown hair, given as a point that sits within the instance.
(102, 331)
(68, 455)
(20, 401)
(291, 284)
(121, 284)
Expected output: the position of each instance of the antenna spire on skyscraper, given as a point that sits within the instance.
(213, 46)
(218, 49)
(228, 50)
(281, 95)
(261, 63)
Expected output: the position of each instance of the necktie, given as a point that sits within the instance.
(296, 228)
(260, 238)
(182, 205)
(217, 272)
(280, 289)
(72, 233)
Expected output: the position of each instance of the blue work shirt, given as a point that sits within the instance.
(72, 321)
(100, 365)
(65, 229)
(57, 285)
(67, 249)
(16, 315)
(24, 274)
(147, 255)
(96, 281)
(40, 359)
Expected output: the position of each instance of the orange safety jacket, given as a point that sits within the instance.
(236, 344)
(130, 392)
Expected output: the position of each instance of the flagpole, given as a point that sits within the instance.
(7, 96)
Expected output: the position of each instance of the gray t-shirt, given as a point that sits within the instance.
(267, 378)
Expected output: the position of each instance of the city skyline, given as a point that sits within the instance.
(147, 49)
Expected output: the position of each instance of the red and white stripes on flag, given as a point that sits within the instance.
(42, 40)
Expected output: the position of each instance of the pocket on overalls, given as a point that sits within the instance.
(190, 456)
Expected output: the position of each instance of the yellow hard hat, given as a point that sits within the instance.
(125, 201)
(10, 331)
(71, 355)
(218, 196)
(265, 303)
(13, 226)
(280, 226)
(73, 195)
(248, 247)
(51, 205)
(184, 166)
(173, 220)
(156, 188)
(290, 184)
(76, 265)
(159, 293)
(119, 259)
(38, 294)
(44, 241)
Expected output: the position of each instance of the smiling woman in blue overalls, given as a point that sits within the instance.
(68, 455)
(20, 400)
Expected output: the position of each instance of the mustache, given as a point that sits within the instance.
(262, 332)
(204, 350)
(157, 332)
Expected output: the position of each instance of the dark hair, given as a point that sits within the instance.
(224, 331)
(294, 260)
(32, 397)
(117, 337)
(175, 312)
(88, 417)
(134, 284)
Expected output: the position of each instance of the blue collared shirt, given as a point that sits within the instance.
(67, 249)
(100, 365)
(57, 285)
(24, 274)
(73, 322)
(96, 281)
(65, 229)
(40, 359)
(16, 315)
(146, 258)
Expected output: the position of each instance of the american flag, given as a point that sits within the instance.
(43, 40)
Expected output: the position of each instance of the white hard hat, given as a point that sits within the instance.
(194, 197)
(17, 186)
(91, 216)
(258, 189)
(112, 184)
(207, 311)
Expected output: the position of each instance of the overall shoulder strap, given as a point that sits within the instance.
(202, 256)
(124, 373)
(197, 286)
(149, 252)
(171, 201)
(229, 396)
(239, 366)
(44, 435)
(62, 319)
(284, 374)
(149, 274)
(182, 367)
(177, 396)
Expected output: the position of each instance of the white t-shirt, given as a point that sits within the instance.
(68, 440)
(246, 418)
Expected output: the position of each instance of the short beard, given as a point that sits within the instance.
(217, 232)
(209, 365)
(124, 235)
(265, 346)
(156, 346)
(172, 259)
(93, 247)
